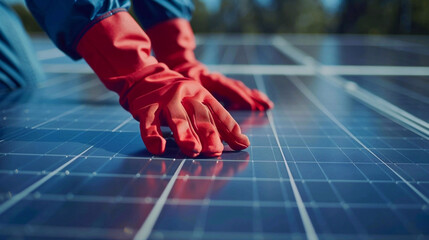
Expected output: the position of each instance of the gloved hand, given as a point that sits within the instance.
(118, 51)
(174, 44)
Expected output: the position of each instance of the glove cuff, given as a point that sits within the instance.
(173, 42)
(118, 51)
(116, 46)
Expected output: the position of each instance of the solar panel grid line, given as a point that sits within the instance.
(410, 50)
(77, 88)
(289, 50)
(257, 224)
(306, 221)
(134, 176)
(313, 99)
(145, 230)
(402, 91)
(382, 85)
(341, 202)
(373, 70)
(68, 198)
(74, 118)
(67, 68)
(229, 54)
(381, 105)
(122, 124)
(55, 81)
(222, 203)
(50, 53)
(273, 236)
(85, 129)
(59, 116)
(281, 180)
(385, 198)
(158, 158)
(255, 135)
(305, 218)
(349, 40)
(44, 172)
(93, 233)
(12, 134)
(106, 95)
(198, 230)
(225, 39)
(263, 69)
(37, 137)
(209, 52)
(77, 108)
(347, 206)
(41, 136)
(251, 69)
(62, 232)
(421, 84)
(18, 197)
(300, 70)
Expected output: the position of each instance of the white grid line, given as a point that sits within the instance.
(305, 218)
(144, 232)
(16, 198)
(122, 124)
(314, 100)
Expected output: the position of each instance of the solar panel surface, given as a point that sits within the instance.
(335, 159)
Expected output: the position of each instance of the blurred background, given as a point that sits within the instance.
(300, 16)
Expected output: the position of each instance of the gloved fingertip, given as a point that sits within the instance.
(191, 154)
(212, 154)
(213, 150)
(262, 99)
(259, 107)
(245, 141)
(190, 148)
(270, 104)
(155, 144)
(241, 142)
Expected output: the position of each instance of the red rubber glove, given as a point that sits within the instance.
(174, 44)
(118, 51)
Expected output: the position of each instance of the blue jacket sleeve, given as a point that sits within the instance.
(151, 12)
(66, 21)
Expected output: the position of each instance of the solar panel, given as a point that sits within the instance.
(335, 159)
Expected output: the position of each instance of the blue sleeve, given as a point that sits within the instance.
(151, 12)
(65, 21)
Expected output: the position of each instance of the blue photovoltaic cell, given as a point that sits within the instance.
(322, 164)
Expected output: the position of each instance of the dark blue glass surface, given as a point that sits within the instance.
(72, 164)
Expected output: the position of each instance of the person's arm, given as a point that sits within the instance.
(152, 12)
(118, 51)
(66, 21)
